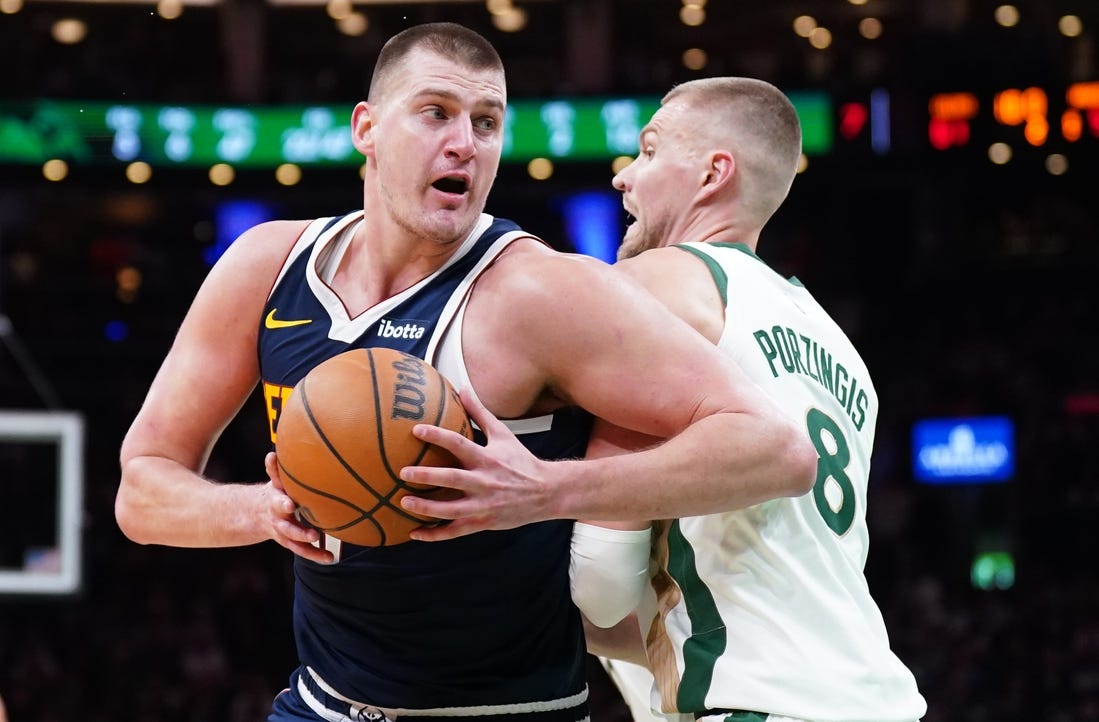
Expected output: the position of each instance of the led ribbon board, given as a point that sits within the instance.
(588, 129)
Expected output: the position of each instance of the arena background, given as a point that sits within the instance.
(949, 222)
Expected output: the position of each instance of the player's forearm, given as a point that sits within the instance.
(622, 641)
(720, 463)
(160, 501)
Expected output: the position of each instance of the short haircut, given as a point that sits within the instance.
(757, 123)
(449, 40)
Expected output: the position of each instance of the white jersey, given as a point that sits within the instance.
(767, 609)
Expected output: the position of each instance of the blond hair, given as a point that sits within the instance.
(758, 124)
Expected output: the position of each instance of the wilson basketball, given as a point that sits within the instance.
(345, 433)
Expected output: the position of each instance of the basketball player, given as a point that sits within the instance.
(763, 612)
(482, 625)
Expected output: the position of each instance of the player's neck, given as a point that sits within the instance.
(381, 263)
(709, 229)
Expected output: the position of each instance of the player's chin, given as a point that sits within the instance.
(459, 210)
(630, 247)
(449, 224)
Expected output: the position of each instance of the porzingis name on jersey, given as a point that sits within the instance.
(411, 329)
(784, 345)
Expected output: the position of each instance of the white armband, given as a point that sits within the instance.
(608, 571)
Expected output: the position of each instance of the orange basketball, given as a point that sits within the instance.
(345, 433)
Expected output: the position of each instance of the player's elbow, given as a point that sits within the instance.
(127, 517)
(128, 511)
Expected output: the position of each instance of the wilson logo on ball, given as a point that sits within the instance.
(345, 433)
(409, 394)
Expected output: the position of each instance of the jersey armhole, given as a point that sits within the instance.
(721, 279)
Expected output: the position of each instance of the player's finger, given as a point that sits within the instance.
(271, 466)
(438, 508)
(480, 415)
(307, 551)
(453, 530)
(464, 450)
(277, 500)
(296, 532)
(447, 439)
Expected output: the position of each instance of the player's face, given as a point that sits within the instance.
(657, 186)
(437, 138)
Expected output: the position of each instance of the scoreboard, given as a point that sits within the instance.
(1039, 115)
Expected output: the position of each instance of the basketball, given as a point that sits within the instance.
(345, 432)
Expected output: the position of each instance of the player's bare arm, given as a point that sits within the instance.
(205, 379)
(683, 284)
(582, 332)
(622, 641)
(608, 570)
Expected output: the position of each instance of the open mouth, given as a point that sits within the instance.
(452, 184)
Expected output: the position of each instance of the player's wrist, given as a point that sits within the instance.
(562, 487)
(249, 512)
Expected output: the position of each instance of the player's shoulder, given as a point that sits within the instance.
(530, 266)
(264, 244)
(252, 261)
(668, 265)
(271, 236)
(542, 288)
(683, 284)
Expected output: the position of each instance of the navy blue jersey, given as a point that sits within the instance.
(485, 619)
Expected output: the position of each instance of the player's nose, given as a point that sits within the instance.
(460, 142)
(621, 178)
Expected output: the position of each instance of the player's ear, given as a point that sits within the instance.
(362, 128)
(719, 171)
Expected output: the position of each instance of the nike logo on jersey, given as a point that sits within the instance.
(272, 322)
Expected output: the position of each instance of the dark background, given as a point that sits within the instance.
(970, 288)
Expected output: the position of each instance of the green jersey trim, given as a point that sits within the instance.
(723, 281)
(720, 278)
(708, 638)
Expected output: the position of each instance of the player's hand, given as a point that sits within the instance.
(282, 522)
(501, 482)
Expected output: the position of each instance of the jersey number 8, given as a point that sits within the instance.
(831, 464)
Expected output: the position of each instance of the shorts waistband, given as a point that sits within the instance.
(332, 706)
